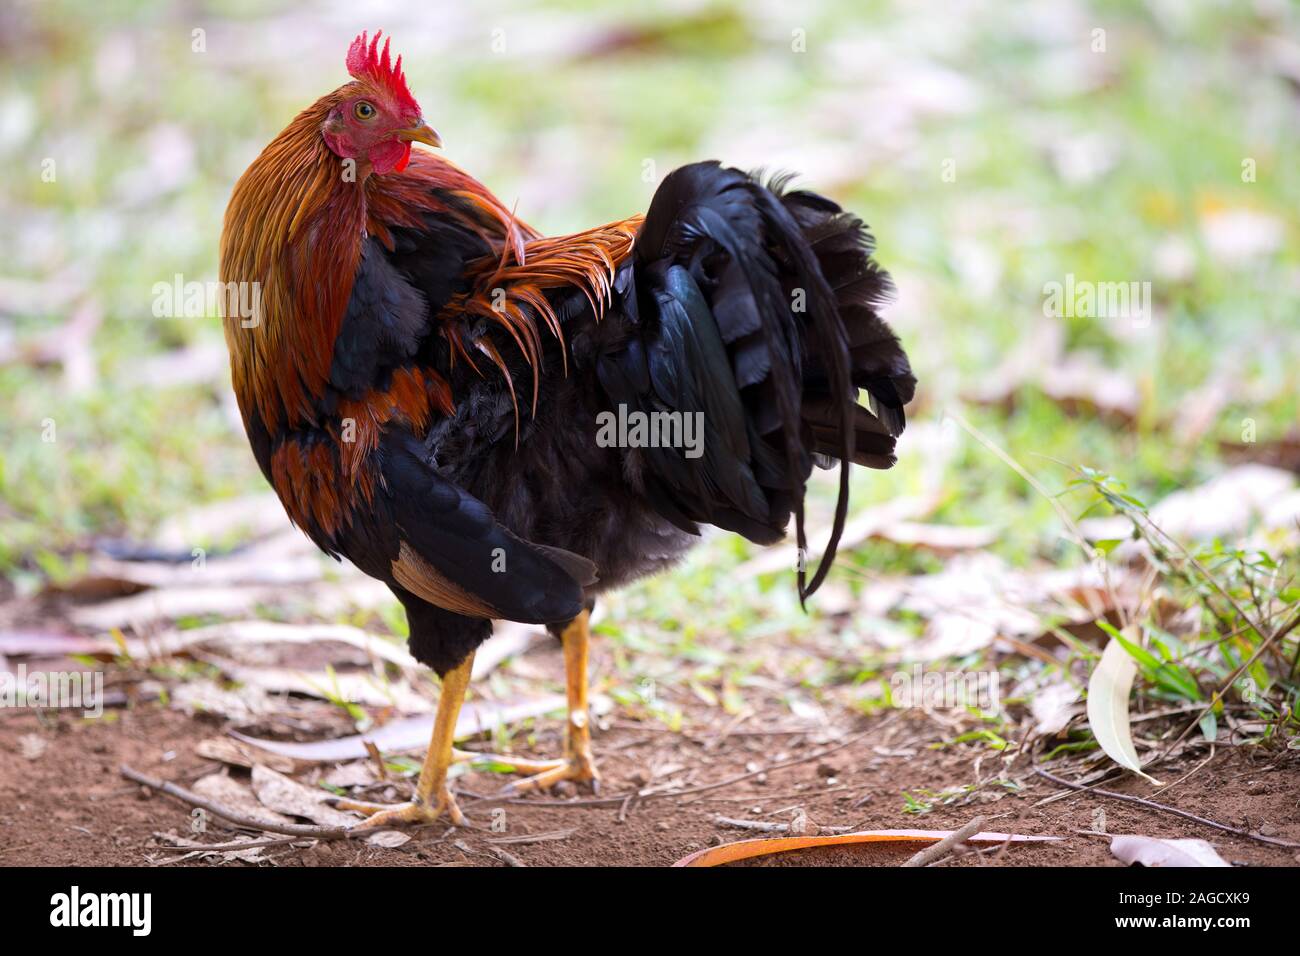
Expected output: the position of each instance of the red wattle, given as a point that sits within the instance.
(405, 160)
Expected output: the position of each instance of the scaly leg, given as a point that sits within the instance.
(577, 763)
(432, 795)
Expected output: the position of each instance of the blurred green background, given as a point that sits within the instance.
(993, 147)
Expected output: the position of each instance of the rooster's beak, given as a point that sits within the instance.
(423, 133)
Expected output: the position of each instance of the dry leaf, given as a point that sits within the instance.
(251, 855)
(32, 746)
(109, 577)
(192, 365)
(221, 788)
(174, 603)
(858, 529)
(1108, 691)
(1221, 508)
(286, 798)
(509, 639)
(956, 634)
(203, 695)
(286, 795)
(26, 643)
(352, 687)
(254, 516)
(1084, 383)
(228, 751)
(1152, 851)
(234, 634)
(359, 773)
(939, 538)
(1053, 707)
(390, 839)
(977, 598)
(231, 637)
(1281, 452)
(747, 849)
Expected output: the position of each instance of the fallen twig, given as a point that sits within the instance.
(234, 845)
(240, 820)
(936, 850)
(625, 807)
(525, 838)
(1151, 804)
(381, 769)
(765, 827)
(505, 856)
(760, 825)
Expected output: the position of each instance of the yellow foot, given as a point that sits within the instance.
(578, 767)
(381, 815)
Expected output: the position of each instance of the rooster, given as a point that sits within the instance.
(426, 381)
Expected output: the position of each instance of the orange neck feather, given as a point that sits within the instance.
(294, 227)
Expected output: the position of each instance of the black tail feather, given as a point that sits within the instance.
(758, 307)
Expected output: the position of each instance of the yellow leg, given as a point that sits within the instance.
(577, 763)
(432, 795)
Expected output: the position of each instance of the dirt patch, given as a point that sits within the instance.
(63, 802)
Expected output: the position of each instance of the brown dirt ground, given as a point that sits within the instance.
(70, 806)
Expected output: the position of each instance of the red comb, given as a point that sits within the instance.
(366, 63)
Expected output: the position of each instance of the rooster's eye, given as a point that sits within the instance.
(364, 110)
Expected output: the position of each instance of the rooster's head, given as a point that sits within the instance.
(375, 116)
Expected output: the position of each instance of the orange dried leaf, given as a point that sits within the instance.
(748, 849)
